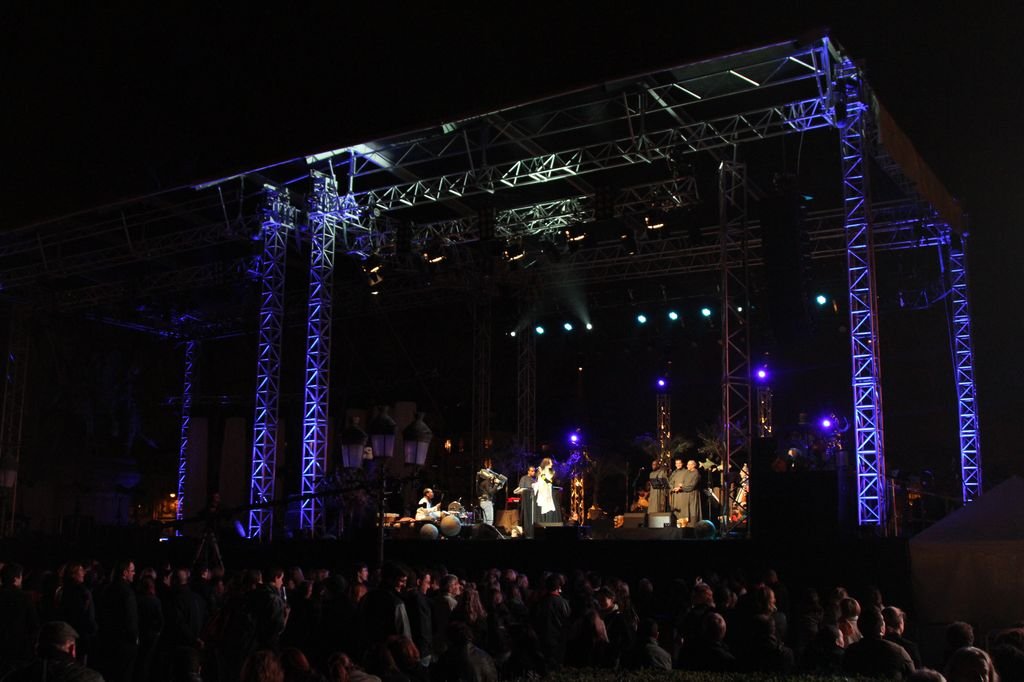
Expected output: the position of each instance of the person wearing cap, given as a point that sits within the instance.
(56, 658)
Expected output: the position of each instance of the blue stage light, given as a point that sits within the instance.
(567, 326)
(706, 312)
(820, 299)
(539, 329)
(641, 318)
(673, 315)
(662, 382)
(589, 326)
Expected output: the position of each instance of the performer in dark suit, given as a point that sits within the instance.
(657, 501)
(524, 489)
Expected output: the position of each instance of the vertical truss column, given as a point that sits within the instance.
(736, 416)
(186, 423)
(12, 418)
(963, 366)
(278, 220)
(860, 261)
(765, 421)
(324, 213)
(664, 408)
(482, 333)
(526, 412)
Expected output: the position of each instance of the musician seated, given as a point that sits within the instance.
(427, 510)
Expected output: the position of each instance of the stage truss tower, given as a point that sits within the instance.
(852, 113)
(482, 332)
(664, 409)
(278, 221)
(526, 393)
(186, 424)
(963, 365)
(12, 419)
(733, 237)
(324, 213)
(765, 421)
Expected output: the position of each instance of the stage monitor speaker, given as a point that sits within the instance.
(555, 532)
(634, 520)
(485, 531)
(660, 520)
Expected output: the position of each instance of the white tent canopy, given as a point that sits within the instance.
(970, 565)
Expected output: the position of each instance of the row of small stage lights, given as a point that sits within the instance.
(643, 318)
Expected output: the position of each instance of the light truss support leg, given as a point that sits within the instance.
(482, 333)
(765, 420)
(733, 234)
(963, 365)
(186, 423)
(278, 220)
(324, 213)
(860, 261)
(664, 421)
(526, 413)
(12, 418)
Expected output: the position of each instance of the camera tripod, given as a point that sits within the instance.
(208, 548)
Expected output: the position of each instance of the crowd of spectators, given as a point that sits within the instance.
(80, 622)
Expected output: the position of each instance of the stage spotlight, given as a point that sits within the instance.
(434, 252)
(574, 235)
(662, 383)
(761, 374)
(512, 333)
(539, 329)
(574, 437)
(514, 251)
(821, 299)
(567, 326)
(589, 326)
(673, 315)
(655, 222)
(705, 312)
(739, 309)
(826, 423)
(641, 318)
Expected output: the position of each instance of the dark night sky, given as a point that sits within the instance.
(108, 103)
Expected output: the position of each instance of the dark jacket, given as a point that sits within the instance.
(55, 666)
(19, 624)
(872, 657)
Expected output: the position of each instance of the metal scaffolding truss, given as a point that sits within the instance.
(757, 124)
(186, 424)
(963, 365)
(866, 367)
(13, 416)
(278, 220)
(526, 384)
(324, 214)
(601, 158)
(736, 414)
(482, 334)
(779, 68)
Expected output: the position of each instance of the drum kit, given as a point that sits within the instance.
(456, 509)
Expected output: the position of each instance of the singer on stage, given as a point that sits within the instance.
(547, 508)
